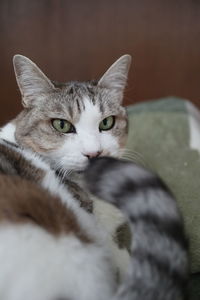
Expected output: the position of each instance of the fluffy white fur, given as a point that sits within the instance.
(37, 266)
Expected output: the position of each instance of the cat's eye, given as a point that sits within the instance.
(107, 123)
(63, 126)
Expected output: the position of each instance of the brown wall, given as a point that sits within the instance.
(79, 39)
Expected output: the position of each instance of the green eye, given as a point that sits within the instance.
(107, 123)
(63, 126)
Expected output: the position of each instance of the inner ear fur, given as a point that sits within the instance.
(32, 82)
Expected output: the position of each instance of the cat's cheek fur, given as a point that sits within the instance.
(67, 157)
(71, 155)
(27, 251)
(110, 144)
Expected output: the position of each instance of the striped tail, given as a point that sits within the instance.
(159, 258)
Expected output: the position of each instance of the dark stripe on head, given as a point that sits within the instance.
(78, 106)
(71, 90)
(70, 111)
(101, 107)
(93, 100)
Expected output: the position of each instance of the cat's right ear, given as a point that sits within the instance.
(32, 82)
(116, 76)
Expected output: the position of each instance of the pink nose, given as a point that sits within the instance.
(90, 155)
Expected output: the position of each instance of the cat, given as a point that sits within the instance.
(45, 151)
(53, 249)
(67, 124)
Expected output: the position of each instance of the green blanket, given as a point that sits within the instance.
(165, 136)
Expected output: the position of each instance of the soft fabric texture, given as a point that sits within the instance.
(165, 136)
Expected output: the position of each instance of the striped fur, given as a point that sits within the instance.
(55, 241)
(159, 264)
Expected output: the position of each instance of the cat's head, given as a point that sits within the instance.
(70, 122)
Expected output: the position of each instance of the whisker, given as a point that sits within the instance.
(133, 156)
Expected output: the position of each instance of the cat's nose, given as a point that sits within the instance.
(90, 155)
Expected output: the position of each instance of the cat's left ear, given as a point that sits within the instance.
(116, 76)
(32, 82)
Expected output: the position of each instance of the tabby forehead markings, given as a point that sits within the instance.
(88, 128)
(91, 116)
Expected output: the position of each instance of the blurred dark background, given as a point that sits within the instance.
(76, 39)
